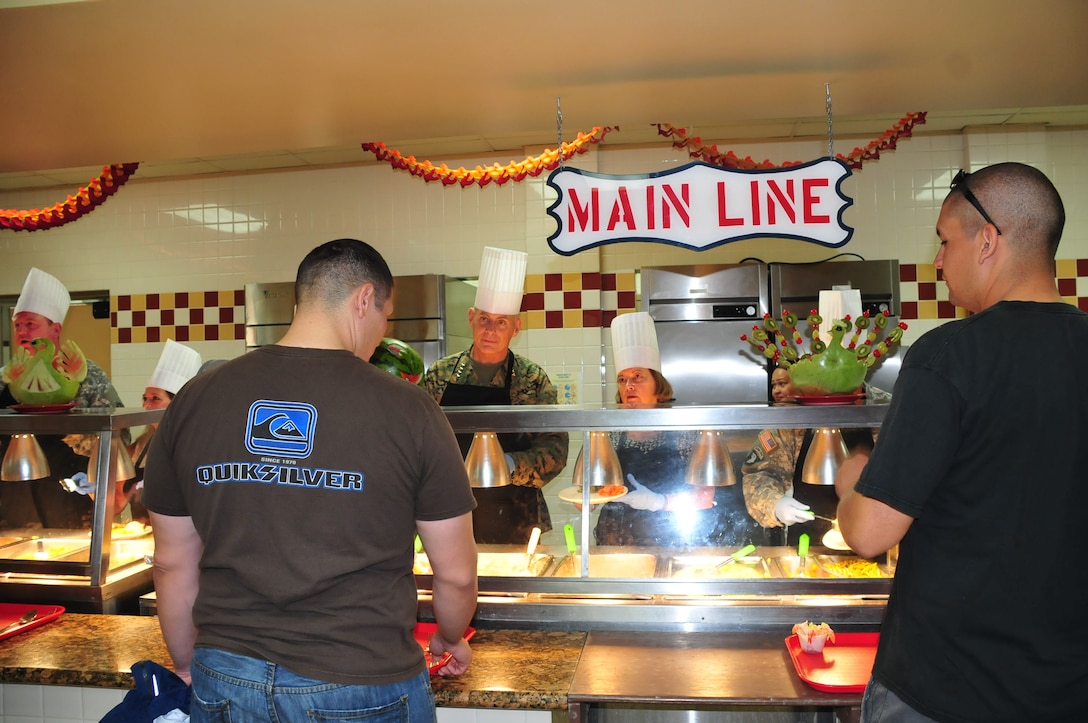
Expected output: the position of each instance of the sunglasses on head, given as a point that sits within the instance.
(959, 183)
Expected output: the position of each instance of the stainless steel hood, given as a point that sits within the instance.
(700, 313)
(417, 319)
(269, 310)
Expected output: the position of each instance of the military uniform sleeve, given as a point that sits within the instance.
(96, 391)
(547, 453)
(768, 471)
(438, 376)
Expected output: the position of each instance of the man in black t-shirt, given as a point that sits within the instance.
(979, 471)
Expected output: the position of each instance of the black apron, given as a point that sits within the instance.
(503, 515)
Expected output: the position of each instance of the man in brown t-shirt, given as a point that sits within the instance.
(285, 489)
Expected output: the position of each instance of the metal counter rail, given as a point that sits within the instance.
(552, 417)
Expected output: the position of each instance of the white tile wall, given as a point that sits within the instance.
(64, 704)
(256, 227)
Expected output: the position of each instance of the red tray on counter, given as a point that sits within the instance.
(423, 633)
(11, 612)
(843, 666)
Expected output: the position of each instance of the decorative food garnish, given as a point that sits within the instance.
(812, 636)
(837, 366)
(44, 374)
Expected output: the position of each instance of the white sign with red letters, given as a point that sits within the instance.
(700, 206)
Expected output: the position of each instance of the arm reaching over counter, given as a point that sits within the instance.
(452, 555)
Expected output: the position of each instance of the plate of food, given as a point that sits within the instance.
(43, 408)
(597, 495)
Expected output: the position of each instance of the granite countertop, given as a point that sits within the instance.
(530, 669)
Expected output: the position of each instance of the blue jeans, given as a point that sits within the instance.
(880, 705)
(231, 688)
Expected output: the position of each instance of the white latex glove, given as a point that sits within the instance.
(791, 512)
(641, 498)
(510, 462)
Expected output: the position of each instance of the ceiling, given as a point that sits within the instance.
(205, 86)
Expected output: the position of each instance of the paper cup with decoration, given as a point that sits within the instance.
(813, 636)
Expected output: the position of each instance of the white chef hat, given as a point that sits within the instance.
(634, 342)
(44, 294)
(502, 281)
(177, 365)
(836, 303)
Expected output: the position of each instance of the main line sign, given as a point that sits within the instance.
(700, 206)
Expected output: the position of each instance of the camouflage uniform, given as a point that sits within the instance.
(547, 453)
(769, 468)
(97, 390)
(768, 472)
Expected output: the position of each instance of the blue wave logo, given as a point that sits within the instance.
(281, 428)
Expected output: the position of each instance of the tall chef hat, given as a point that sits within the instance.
(502, 281)
(44, 294)
(634, 342)
(177, 365)
(836, 303)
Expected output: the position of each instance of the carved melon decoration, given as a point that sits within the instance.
(44, 374)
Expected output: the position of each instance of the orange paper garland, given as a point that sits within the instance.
(85, 200)
(854, 159)
(513, 171)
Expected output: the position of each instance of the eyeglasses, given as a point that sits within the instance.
(959, 183)
(636, 378)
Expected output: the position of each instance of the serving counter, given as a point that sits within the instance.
(600, 676)
(100, 569)
(669, 589)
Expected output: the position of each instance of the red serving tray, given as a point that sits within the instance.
(423, 633)
(10, 612)
(843, 666)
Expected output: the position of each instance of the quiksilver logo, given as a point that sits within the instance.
(259, 473)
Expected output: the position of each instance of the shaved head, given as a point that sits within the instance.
(1023, 202)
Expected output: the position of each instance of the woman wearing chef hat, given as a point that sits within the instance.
(488, 374)
(177, 365)
(660, 508)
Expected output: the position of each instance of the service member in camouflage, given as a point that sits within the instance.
(774, 493)
(488, 373)
(537, 458)
(45, 502)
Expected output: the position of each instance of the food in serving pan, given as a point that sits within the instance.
(853, 567)
(45, 551)
(813, 636)
(741, 571)
(494, 564)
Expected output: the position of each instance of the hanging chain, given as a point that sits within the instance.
(559, 130)
(830, 135)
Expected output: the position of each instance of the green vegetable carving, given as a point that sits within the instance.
(836, 366)
(45, 375)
